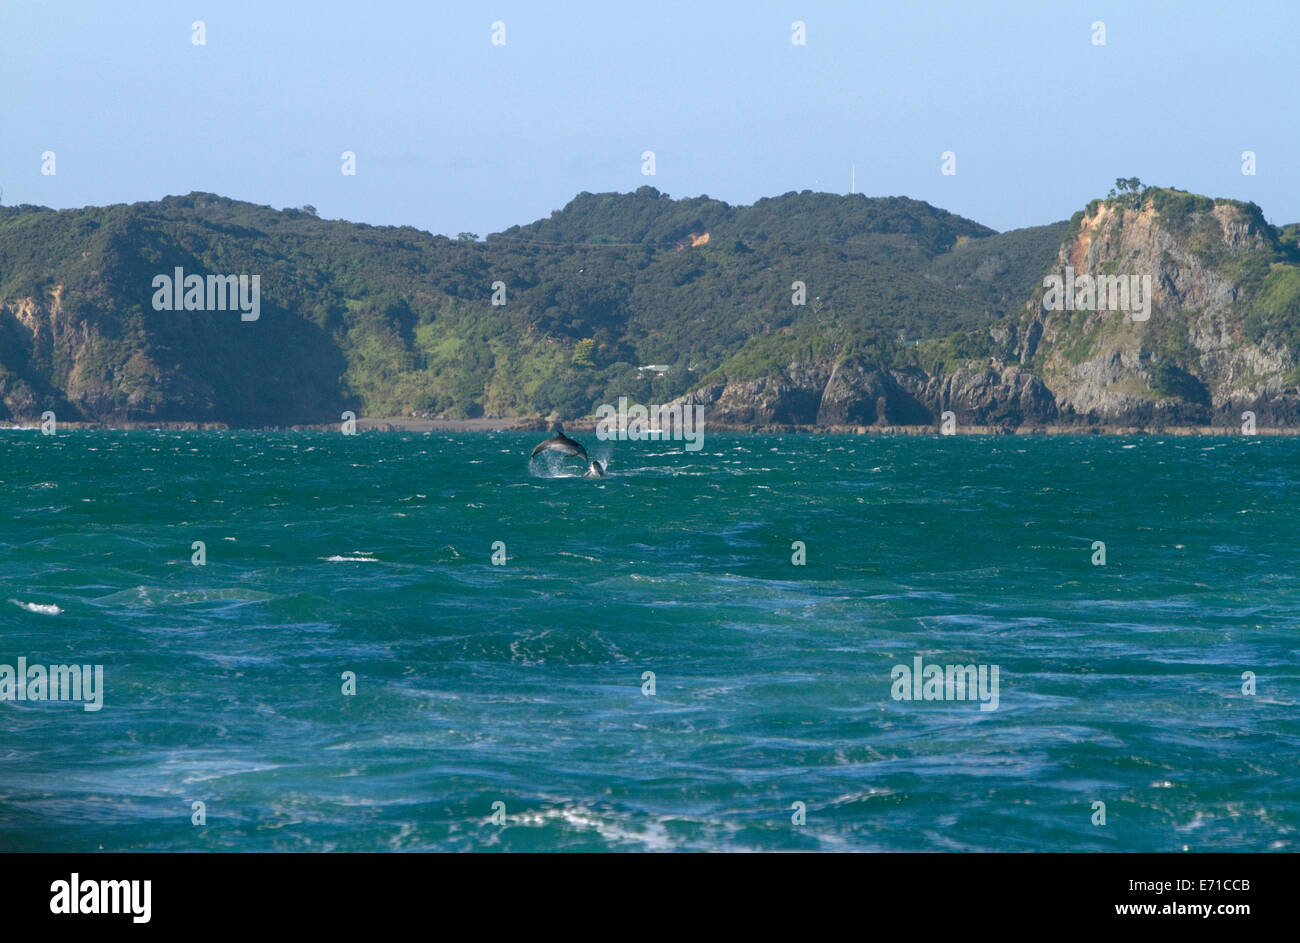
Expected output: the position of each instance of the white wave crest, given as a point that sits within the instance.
(42, 608)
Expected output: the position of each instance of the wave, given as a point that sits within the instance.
(42, 608)
(157, 596)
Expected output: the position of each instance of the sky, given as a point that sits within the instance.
(453, 133)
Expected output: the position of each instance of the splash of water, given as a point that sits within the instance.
(553, 464)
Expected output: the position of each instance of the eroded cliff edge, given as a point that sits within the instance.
(1214, 338)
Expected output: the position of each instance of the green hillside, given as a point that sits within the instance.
(395, 321)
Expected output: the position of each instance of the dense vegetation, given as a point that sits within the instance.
(395, 321)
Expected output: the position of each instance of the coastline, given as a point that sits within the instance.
(588, 425)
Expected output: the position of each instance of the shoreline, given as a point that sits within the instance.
(535, 424)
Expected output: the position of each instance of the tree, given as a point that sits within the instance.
(1129, 185)
(583, 351)
(467, 237)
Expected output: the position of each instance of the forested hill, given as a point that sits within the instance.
(393, 321)
(648, 217)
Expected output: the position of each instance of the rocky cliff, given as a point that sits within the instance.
(1204, 351)
(1180, 311)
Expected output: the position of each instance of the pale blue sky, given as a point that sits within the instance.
(452, 133)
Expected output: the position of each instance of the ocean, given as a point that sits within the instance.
(702, 651)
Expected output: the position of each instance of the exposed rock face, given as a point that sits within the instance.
(691, 240)
(71, 348)
(1007, 397)
(59, 354)
(851, 394)
(857, 395)
(788, 400)
(27, 331)
(1188, 363)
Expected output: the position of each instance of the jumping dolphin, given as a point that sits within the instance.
(595, 470)
(561, 443)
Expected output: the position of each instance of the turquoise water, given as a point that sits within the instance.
(522, 683)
